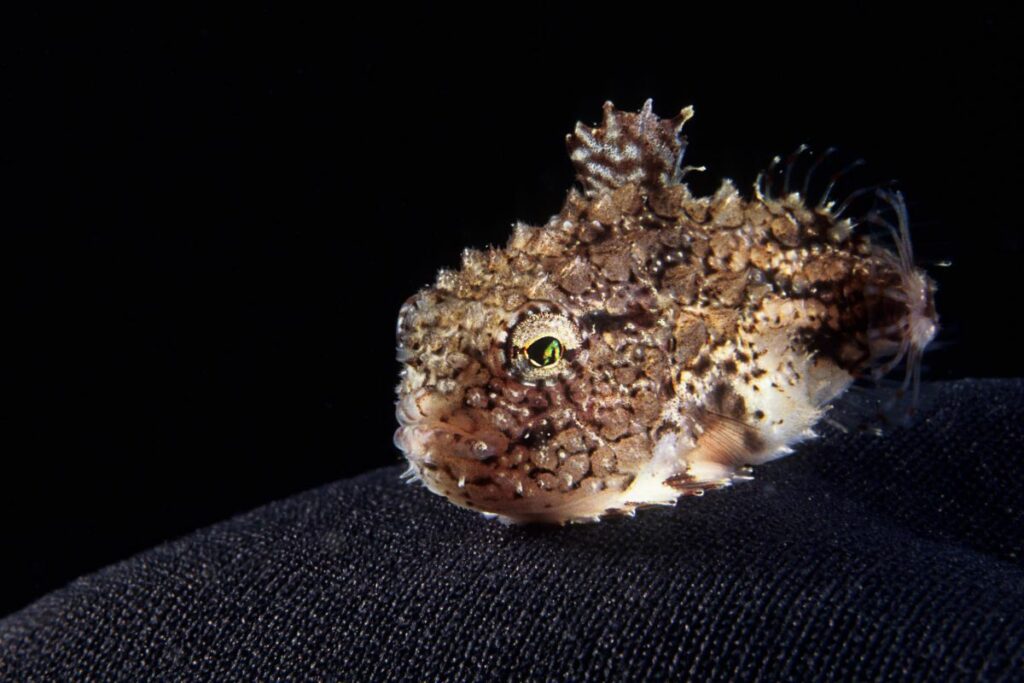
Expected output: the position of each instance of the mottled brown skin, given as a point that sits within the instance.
(703, 325)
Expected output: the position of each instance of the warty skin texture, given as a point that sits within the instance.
(644, 343)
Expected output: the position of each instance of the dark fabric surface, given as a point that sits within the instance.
(856, 558)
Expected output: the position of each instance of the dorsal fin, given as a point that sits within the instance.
(635, 148)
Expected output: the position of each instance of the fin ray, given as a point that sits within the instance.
(629, 147)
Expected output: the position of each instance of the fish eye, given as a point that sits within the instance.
(540, 343)
(544, 352)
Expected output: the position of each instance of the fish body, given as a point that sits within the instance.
(645, 343)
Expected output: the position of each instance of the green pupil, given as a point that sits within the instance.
(544, 352)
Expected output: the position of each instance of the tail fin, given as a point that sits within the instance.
(629, 148)
(901, 307)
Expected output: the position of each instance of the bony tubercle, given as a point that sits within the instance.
(644, 343)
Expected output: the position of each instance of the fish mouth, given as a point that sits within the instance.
(425, 441)
(425, 435)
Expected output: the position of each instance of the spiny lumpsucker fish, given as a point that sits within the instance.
(645, 343)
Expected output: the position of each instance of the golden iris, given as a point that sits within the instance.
(544, 352)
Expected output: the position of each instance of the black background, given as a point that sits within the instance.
(216, 215)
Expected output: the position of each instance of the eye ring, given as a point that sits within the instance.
(540, 343)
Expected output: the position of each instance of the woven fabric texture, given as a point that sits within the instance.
(857, 558)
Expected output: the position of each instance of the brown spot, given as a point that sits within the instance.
(761, 256)
(647, 407)
(725, 401)
(785, 230)
(544, 459)
(722, 324)
(631, 453)
(614, 423)
(571, 440)
(576, 277)
(752, 440)
(602, 461)
(727, 287)
(600, 352)
(727, 207)
(724, 243)
(615, 266)
(681, 282)
(656, 366)
(700, 247)
(690, 335)
(628, 199)
(547, 243)
(604, 209)
(668, 202)
(575, 466)
(671, 235)
(626, 375)
(826, 269)
(536, 400)
(697, 209)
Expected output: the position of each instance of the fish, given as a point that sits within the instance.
(646, 344)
